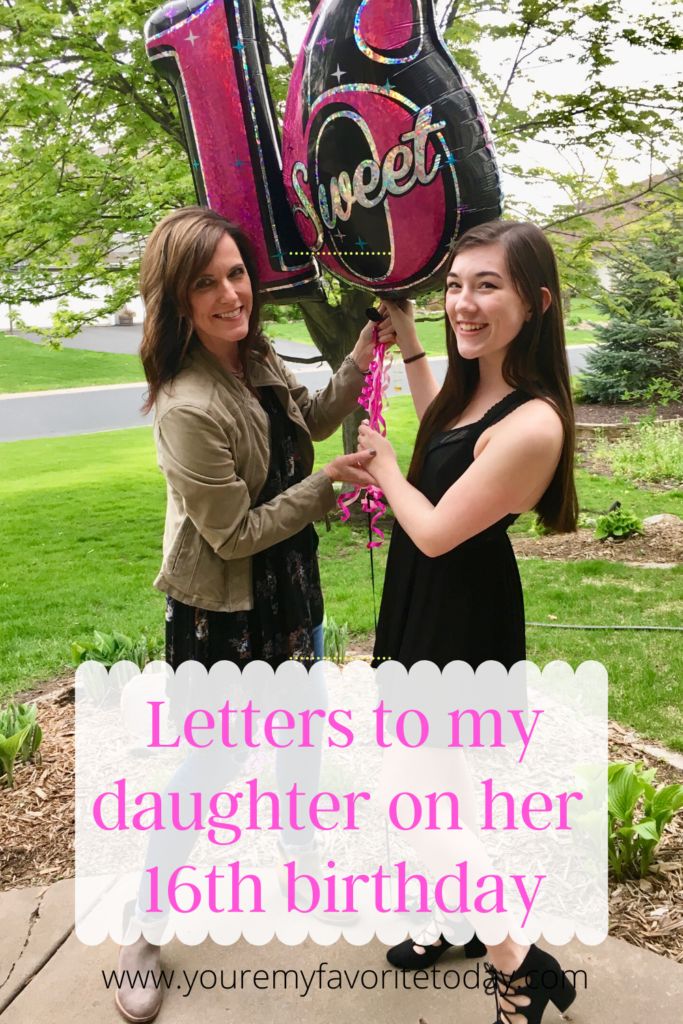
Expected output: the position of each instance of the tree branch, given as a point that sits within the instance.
(513, 72)
(674, 176)
(287, 55)
(449, 17)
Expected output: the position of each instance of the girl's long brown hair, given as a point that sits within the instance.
(177, 252)
(535, 362)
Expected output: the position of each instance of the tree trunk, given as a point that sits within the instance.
(262, 36)
(350, 429)
(335, 330)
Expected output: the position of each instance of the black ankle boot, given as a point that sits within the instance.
(404, 956)
(544, 981)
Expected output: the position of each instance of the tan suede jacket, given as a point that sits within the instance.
(212, 438)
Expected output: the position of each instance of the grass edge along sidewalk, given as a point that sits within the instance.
(83, 520)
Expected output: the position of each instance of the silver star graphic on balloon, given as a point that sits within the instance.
(339, 235)
(192, 38)
(337, 74)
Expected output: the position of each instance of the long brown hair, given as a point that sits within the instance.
(178, 250)
(535, 361)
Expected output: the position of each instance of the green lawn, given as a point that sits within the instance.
(82, 526)
(25, 366)
(587, 310)
(574, 336)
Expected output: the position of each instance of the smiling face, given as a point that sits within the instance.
(221, 300)
(484, 308)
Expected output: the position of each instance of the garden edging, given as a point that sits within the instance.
(608, 431)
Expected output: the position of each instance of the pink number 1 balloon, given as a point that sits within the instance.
(208, 50)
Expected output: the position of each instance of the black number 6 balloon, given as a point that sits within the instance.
(387, 155)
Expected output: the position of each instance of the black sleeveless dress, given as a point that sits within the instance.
(467, 604)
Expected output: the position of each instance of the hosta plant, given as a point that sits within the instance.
(539, 529)
(108, 648)
(336, 639)
(619, 523)
(20, 737)
(638, 815)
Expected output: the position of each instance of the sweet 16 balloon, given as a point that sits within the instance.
(387, 156)
(208, 50)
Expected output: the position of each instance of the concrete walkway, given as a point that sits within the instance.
(47, 975)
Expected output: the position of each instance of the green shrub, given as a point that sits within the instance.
(336, 640)
(20, 736)
(638, 815)
(642, 344)
(618, 523)
(280, 313)
(578, 394)
(649, 452)
(108, 648)
(659, 391)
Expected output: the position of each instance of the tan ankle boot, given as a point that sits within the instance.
(139, 1001)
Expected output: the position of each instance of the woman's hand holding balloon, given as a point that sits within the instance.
(351, 469)
(365, 346)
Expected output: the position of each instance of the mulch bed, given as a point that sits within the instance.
(588, 413)
(37, 816)
(37, 829)
(660, 545)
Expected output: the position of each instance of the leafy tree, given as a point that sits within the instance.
(93, 152)
(641, 356)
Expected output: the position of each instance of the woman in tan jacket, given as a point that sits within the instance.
(234, 433)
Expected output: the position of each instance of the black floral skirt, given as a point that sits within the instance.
(288, 602)
(287, 607)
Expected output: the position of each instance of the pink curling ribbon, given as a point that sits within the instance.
(372, 400)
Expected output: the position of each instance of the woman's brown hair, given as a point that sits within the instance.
(535, 362)
(178, 250)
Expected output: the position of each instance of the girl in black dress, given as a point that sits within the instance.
(496, 440)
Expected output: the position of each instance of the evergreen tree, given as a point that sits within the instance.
(641, 355)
